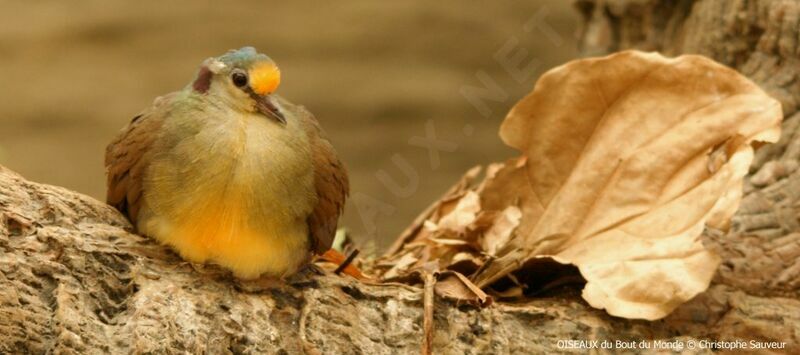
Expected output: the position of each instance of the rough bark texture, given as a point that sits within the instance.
(74, 280)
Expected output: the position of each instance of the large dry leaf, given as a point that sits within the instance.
(626, 159)
(619, 161)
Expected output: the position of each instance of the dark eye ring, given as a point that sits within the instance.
(239, 79)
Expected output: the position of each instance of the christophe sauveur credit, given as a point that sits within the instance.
(675, 344)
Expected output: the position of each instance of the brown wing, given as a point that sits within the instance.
(331, 182)
(127, 157)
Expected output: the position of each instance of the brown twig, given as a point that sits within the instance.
(428, 305)
(346, 262)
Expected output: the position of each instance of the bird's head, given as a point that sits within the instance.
(244, 78)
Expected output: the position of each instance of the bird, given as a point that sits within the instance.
(227, 172)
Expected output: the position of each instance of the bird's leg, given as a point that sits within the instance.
(312, 269)
(305, 276)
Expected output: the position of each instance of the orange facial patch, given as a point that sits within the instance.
(265, 78)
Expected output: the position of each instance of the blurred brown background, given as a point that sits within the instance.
(375, 73)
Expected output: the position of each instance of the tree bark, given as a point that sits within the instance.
(74, 279)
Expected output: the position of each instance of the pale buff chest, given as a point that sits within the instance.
(236, 192)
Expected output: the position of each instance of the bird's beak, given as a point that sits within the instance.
(266, 105)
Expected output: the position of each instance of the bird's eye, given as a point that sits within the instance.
(239, 79)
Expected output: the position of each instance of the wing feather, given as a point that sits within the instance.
(331, 183)
(127, 158)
